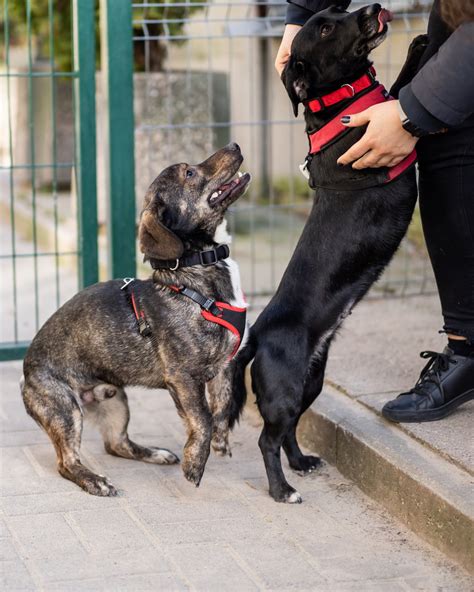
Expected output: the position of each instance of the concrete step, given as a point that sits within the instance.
(423, 473)
(429, 493)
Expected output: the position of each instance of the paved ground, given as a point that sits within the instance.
(376, 356)
(163, 534)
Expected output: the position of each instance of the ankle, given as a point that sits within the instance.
(460, 346)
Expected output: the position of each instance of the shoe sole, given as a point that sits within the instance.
(428, 414)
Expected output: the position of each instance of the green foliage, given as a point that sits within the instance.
(291, 189)
(43, 17)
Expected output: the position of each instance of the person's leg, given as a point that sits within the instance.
(447, 211)
(446, 187)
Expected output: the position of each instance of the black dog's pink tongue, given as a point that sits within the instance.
(385, 16)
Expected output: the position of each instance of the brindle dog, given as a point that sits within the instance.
(90, 349)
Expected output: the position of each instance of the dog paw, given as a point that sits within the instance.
(161, 456)
(193, 473)
(99, 485)
(221, 448)
(306, 465)
(294, 498)
(287, 495)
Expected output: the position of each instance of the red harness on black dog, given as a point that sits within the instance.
(368, 92)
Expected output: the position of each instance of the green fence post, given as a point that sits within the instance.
(117, 68)
(86, 174)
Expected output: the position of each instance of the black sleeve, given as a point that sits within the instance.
(299, 11)
(442, 93)
(296, 15)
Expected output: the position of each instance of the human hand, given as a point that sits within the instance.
(284, 50)
(385, 142)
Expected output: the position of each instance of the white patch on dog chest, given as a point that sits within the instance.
(221, 235)
(239, 298)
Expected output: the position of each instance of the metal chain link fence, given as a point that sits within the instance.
(205, 76)
(42, 148)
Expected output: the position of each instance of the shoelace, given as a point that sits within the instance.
(436, 364)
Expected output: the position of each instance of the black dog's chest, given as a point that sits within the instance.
(325, 172)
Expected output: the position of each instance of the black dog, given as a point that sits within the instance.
(176, 330)
(356, 224)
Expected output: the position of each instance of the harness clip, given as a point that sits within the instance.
(143, 327)
(126, 282)
(208, 305)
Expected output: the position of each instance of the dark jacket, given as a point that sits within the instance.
(442, 92)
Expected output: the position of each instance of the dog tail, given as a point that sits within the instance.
(239, 389)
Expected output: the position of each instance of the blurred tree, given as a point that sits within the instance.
(55, 16)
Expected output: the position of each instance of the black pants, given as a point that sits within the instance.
(446, 186)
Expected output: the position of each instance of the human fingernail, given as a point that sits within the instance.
(346, 119)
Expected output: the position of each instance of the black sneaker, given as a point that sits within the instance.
(446, 382)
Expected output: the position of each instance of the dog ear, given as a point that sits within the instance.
(156, 240)
(289, 77)
(344, 4)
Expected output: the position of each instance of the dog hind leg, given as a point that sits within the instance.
(298, 461)
(112, 416)
(279, 402)
(220, 401)
(53, 406)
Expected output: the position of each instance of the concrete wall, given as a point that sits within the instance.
(43, 133)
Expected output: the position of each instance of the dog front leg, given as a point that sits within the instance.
(410, 67)
(220, 400)
(189, 396)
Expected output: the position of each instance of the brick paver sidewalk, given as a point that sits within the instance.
(163, 534)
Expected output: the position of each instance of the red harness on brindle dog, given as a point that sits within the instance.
(232, 318)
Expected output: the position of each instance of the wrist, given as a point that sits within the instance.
(291, 29)
(408, 125)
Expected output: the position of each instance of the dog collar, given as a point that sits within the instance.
(207, 257)
(346, 91)
(232, 318)
(330, 133)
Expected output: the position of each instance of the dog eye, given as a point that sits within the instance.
(189, 173)
(326, 30)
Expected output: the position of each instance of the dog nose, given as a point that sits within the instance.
(234, 146)
(373, 9)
